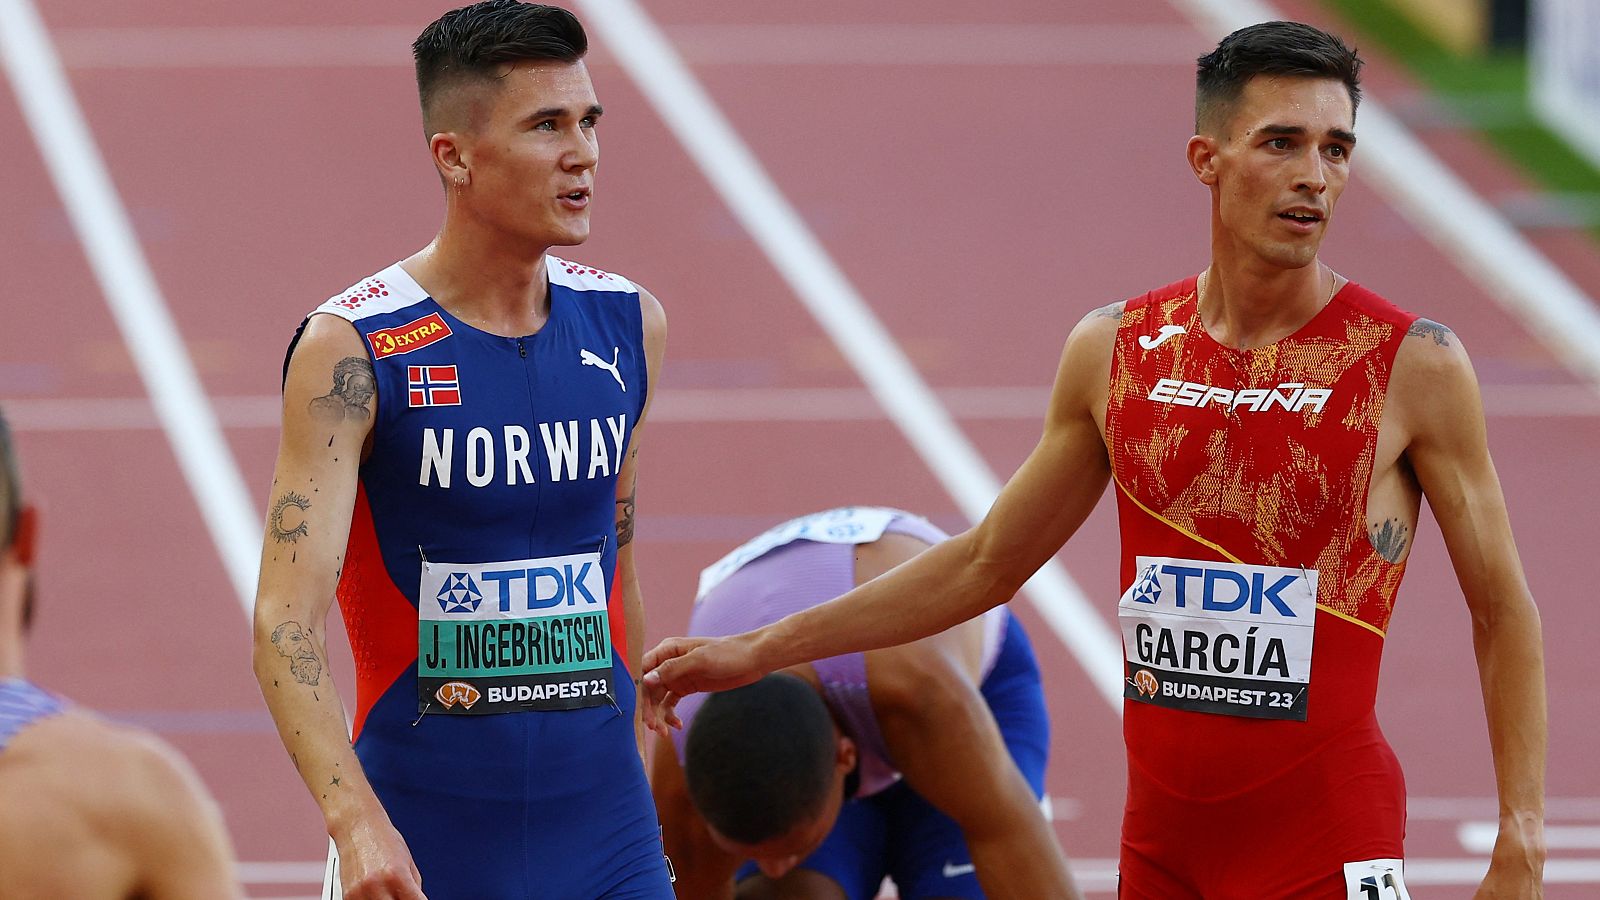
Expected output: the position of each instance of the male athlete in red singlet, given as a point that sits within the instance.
(1271, 429)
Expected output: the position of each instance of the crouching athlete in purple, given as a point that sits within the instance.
(458, 459)
(923, 763)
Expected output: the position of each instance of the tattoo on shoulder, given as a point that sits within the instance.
(1389, 539)
(625, 518)
(1429, 328)
(287, 524)
(354, 385)
(294, 644)
(1110, 311)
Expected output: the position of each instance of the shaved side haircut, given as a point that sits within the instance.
(1270, 48)
(477, 43)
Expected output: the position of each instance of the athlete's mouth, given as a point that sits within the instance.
(1301, 215)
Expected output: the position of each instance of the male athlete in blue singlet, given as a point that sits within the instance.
(923, 762)
(458, 463)
(88, 810)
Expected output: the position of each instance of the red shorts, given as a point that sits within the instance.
(1293, 836)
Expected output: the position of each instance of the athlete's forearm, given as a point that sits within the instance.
(305, 706)
(936, 590)
(1510, 652)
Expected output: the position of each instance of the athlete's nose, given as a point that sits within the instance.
(777, 868)
(1312, 177)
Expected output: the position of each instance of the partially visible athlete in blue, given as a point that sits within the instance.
(89, 809)
(460, 442)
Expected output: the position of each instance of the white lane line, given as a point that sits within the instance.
(695, 406)
(881, 44)
(732, 169)
(1450, 214)
(281, 872)
(119, 265)
(1478, 837)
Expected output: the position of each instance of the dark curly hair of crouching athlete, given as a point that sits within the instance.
(475, 43)
(1270, 48)
(759, 759)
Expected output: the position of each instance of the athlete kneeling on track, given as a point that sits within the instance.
(922, 762)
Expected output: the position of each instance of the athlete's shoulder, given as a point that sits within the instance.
(389, 290)
(1370, 303)
(579, 277)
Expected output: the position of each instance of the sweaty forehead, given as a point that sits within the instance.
(1315, 104)
(526, 87)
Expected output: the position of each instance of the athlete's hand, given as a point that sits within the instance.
(681, 666)
(375, 864)
(1516, 866)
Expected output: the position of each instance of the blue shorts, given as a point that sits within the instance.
(898, 834)
(523, 806)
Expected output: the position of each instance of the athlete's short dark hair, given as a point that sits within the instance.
(1270, 48)
(759, 758)
(471, 43)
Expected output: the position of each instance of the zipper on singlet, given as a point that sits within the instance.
(522, 350)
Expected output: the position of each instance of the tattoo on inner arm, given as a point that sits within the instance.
(625, 518)
(1430, 328)
(287, 524)
(354, 385)
(294, 644)
(1389, 539)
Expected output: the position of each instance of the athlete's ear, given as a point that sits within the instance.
(450, 159)
(844, 757)
(1202, 153)
(26, 541)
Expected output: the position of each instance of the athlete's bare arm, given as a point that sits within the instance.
(655, 348)
(944, 739)
(1448, 450)
(325, 427)
(101, 812)
(704, 869)
(1038, 509)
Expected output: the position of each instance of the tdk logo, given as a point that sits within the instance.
(545, 586)
(459, 594)
(1219, 589)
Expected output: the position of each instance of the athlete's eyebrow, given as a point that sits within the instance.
(556, 112)
(1338, 134)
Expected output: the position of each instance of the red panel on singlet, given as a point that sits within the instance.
(381, 622)
(1221, 455)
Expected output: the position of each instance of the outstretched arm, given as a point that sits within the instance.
(1449, 452)
(1043, 504)
(328, 409)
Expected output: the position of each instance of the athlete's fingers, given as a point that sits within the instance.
(669, 712)
(668, 649)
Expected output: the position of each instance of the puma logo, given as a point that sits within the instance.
(589, 359)
(1167, 331)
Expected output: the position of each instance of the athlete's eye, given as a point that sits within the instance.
(545, 125)
(1279, 143)
(589, 121)
(1338, 151)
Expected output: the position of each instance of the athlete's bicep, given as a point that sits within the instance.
(329, 404)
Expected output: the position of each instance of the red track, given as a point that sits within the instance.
(980, 209)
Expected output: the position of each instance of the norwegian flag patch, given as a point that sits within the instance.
(433, 386)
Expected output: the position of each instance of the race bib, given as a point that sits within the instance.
(1219, 637)
(1375, 879)
(513, 636)
(846, 525)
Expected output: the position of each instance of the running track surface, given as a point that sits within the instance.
(980, 205)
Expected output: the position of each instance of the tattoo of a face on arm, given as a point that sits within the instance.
(1430, 328)
(354, 385)
(1389, 539)
(294, 644)
(625, 519)
(287, 524)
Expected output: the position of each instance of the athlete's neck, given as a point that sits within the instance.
(1244, 306)
(484, 279)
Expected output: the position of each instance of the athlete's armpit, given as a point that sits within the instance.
(1429, 328)
(354, 385)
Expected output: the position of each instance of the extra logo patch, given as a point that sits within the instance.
(411, 336)
(452, 692)
(432, 386)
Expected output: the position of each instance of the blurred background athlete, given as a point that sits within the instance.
(460, 442)
(923, 762)
(90, 810)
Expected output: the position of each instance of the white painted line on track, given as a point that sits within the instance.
(1478, 837)
(732, 169)
(119, 265)
(1450, 214)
